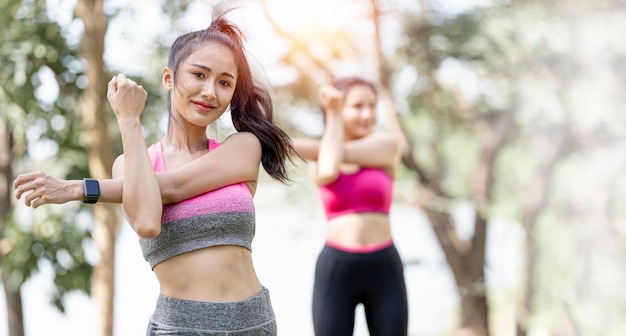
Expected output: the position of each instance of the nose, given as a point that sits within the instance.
(208, 91)
(369, 113)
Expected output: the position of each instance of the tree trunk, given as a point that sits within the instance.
(525, 310)
(15, 313)
(560, 144)
(467, 263)
(466, 259)
(474, 312)
(13, 296)
(91, 106)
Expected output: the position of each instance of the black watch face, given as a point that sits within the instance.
(92, 188)
(92, 191)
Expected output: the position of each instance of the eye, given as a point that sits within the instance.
(225, 83)
(198, 74)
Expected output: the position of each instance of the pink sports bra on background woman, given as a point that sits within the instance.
(368, 190)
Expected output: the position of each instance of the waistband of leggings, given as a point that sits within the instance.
(249, 313)
(361, 249)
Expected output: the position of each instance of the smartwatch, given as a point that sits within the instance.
(91, 188)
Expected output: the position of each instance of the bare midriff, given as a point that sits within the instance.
(212, 274)
(359, 230)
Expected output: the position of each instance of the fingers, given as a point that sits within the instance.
(125, 83)
(127, 98)
(120, 82)
(330, 98)
(31, 200)
(24, 182)
(31, 186)
(112, 86)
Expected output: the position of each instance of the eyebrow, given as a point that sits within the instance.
(210, 70)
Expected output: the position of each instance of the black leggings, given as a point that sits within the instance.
(344, 279)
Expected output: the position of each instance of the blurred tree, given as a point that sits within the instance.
(501, 132)
(55, 118)
(34, 62)
(493, 116)
(92, 108)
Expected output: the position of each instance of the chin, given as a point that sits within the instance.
(365, 132)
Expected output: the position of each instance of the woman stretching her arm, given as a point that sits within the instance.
(355, 169)
(199, 243)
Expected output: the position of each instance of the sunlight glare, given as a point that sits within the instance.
(307, 18)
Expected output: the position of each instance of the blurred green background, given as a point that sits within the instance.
(508, 210)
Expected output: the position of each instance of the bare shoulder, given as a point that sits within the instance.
(244, 142)
(245, 138)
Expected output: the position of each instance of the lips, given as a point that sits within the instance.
(203, 106)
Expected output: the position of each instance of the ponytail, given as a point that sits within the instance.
(251, 106)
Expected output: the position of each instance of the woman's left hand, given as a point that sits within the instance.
(39, 188)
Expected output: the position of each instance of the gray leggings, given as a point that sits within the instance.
(251, 317)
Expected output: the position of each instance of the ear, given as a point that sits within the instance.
(168, 79)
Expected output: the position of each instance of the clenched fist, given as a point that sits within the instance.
(126, 97)
(331, 99)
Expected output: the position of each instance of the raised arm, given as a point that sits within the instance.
(236, 160)
(141, 196)
(330, 154)
(393, 121)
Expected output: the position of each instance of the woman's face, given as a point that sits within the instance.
(359, 112)
(204, 85)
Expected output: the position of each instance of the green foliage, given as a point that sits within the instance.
(554, 66)
(55, 238)
(41, 75)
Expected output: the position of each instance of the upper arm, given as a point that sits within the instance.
(236, 160)
(376, 150)
(307, 148)
(381, 150)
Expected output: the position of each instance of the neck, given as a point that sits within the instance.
(185, 140)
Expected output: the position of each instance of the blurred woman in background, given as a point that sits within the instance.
(354, 167)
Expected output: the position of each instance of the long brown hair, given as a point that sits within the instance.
(251, 106)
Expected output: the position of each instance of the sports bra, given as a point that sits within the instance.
(368, 190)
(224, 216)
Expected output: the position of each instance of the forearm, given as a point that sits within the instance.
(330, 153)
(308, 149)
(236, 160)
(141, 196)
(110, 190)
(393, 120)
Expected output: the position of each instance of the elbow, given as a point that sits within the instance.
(326, 178)
(147, 230)
(402, 145)
(327, 173)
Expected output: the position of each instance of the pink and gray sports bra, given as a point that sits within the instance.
(368, 190)
(224, 216)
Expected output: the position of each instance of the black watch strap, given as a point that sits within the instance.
(91, 188)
